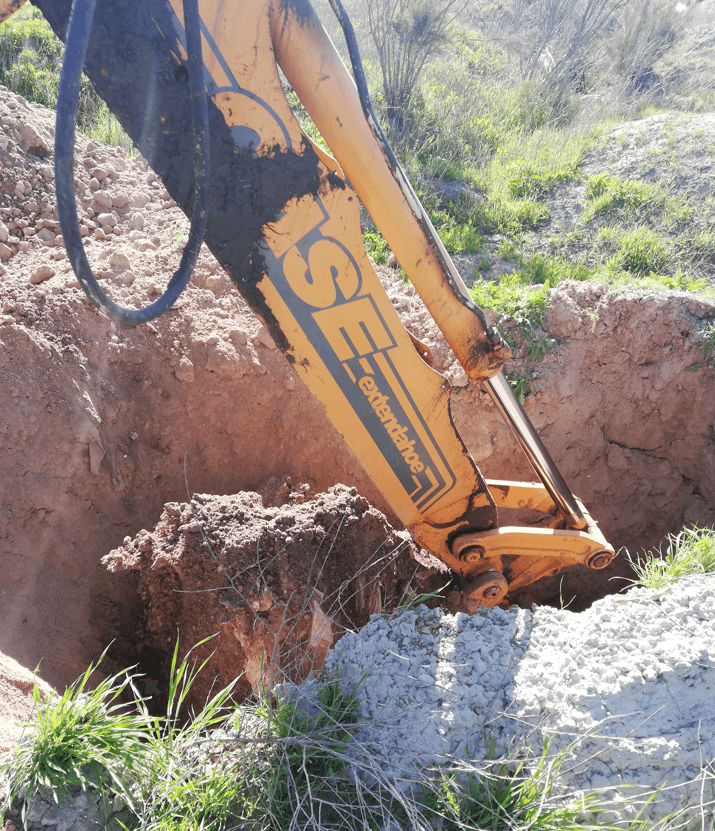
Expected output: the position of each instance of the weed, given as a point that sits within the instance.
(306, 122)
(376, 247)
(692, 551)
(306, 784)
(703, 243)
(458, 237)
(178, 790)
(414, 599)
(524, 170)
(508, 251)
(702, 100)
(709, 341)
(276, 766)
(640, 252)
(513, 296)
(180, 237)
(608, 234)
(522, 382)
(536, 347)
(30, 60)
(609, 194)
(84, 736)
(544, 269)
(682, 281)
(506, 794)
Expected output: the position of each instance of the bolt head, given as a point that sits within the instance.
(600, 560)
(473, 554)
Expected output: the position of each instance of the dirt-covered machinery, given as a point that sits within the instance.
(197, 87)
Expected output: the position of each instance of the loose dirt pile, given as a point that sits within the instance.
(276, 584)
(101, 425)
(619, 691)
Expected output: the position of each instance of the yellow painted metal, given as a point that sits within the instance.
(345, 339)
(341, 332)
(317, 74)
(526, 554)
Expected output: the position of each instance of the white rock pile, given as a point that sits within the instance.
(626, 687)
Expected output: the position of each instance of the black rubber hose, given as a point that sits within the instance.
(78, 32)
(491, 333)
(360, 80)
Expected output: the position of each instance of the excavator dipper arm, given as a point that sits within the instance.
(284, 223)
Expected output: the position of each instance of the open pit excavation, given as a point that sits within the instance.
(179, 477)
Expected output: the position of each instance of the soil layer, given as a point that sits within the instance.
(103, 425)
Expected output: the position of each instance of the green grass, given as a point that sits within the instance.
(692, 551)
(513, 142)
(91, 737)
(273, 765)
(84, 736)
(513, 296)
(307, 785)
(609, 194)
(176, 790)
(376, 247)
(523, 170)
(640, 252)
(30, 62)
(622, 198)
(506, 794)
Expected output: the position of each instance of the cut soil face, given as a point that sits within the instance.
(103, 425)
(272, 585)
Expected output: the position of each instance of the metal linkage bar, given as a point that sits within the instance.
(530, 442)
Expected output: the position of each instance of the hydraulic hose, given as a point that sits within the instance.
(492, 334)
(498, 388)
(78, 33)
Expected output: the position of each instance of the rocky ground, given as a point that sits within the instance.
(102, 426)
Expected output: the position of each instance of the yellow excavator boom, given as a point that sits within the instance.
(283, 219)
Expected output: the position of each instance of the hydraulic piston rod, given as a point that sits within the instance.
(545, 467)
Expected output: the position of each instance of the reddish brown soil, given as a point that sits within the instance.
(276, 584)
(102, 425)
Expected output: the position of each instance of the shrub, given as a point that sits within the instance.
(645, 31)
(553, 39)
(406, 34)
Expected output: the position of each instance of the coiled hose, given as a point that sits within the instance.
(78, 33)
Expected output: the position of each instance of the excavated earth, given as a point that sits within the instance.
(108, 431)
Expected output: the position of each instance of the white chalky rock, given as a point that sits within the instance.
(628, 686)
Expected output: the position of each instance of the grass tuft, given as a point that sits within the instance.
(276, 765)
(692, 551)
(82, 737)
(508, 794)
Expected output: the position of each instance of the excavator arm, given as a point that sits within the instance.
(283, 220)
